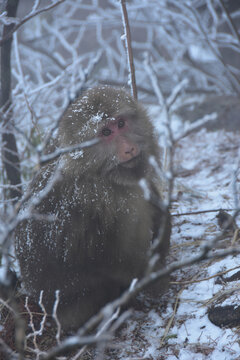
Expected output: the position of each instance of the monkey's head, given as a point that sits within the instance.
(124, 133)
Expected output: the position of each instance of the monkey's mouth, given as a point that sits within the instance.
(131, 163)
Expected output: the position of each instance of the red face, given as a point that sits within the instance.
(116, 132)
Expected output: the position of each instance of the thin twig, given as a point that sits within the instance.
(72, 343)
(235, 237)
(169, 324)
(230, 21)
(231, 76)
(31, 323)
(171, 142)
(35, 332)
(28, 17)
(44, 159)
(204, 279)
(8, 351)
(127, 38)
(55, 317)
(22, 82)
(201, 212)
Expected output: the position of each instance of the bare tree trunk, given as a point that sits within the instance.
(9, 152)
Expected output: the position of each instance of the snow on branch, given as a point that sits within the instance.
(46, 88)
(231, 76)
(127, 37)
(32, 14)
(44, 159)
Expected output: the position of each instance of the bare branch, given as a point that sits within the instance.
(230, 21)
(201, 212)
(35, 332)
(55, 317)
(28, 17)
(8, 351)
(73, 343)
(44, 159)
(231, 76)
(196, 125)
(127, 38)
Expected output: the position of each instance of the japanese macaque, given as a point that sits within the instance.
(104, 225)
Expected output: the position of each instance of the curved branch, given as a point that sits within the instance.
(8, 36)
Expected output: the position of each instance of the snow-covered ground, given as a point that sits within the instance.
(177, 325)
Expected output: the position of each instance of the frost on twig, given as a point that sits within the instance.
(196, 126)
(55, 317)
(35, 333)
(53, 59)
(44, 159)
(127, 38)
(32, 14)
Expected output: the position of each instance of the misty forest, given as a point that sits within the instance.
(119, 179)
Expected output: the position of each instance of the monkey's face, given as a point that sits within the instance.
(124, 133)
(116, 132)
(122, 150)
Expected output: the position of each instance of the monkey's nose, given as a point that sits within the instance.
(126, 149)
(129, 152)
(132, 152)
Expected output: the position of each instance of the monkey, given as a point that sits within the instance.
(103, 223)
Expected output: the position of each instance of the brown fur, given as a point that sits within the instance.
(104, 225)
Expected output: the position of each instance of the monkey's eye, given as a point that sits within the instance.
(106, 131)
(121, 123)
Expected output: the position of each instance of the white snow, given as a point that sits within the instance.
(208, 160)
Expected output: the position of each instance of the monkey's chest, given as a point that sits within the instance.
(124, 226)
